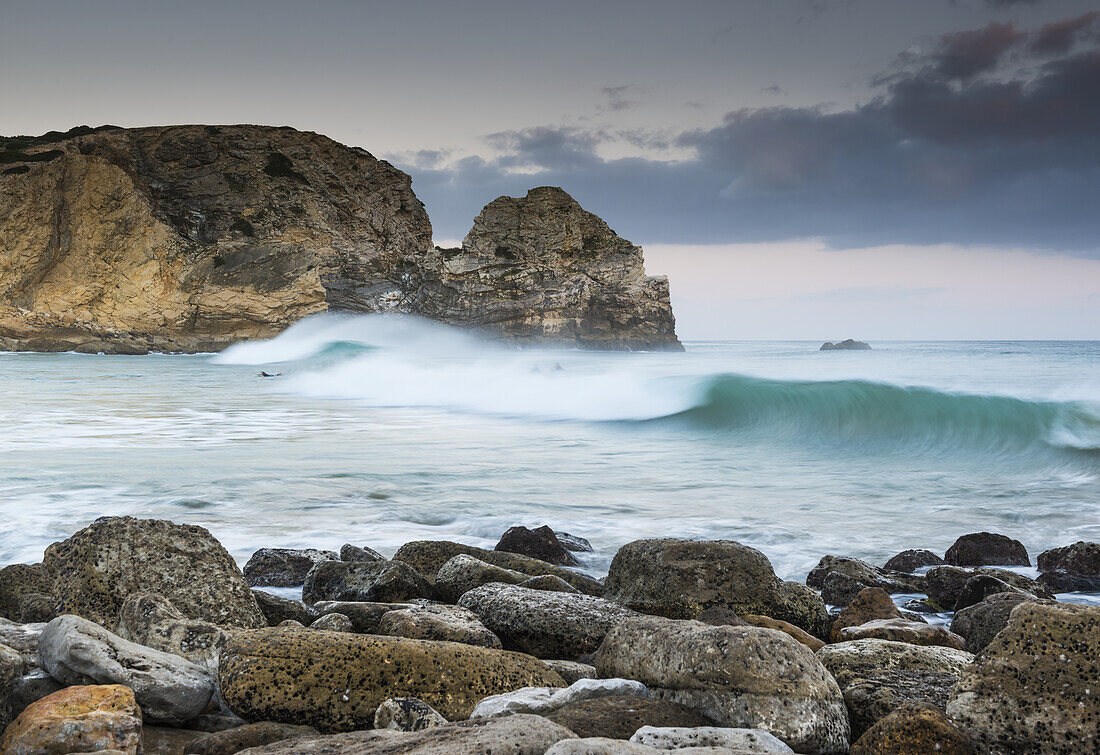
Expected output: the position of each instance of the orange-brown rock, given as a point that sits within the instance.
(786, 627)
(870, 604)
(915, 729)
(77, 719)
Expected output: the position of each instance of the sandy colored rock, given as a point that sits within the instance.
(336, 681)
(188, 238)
(334, 622)
(786, 627)
(427, 556)
(95, 570)
(77, 719)
(870, 604)
(902, 630)
(545, 624)
(438, 622)
(1033, 688)
(513, 735)
(682, 578)
(737, 676)
(914, 729)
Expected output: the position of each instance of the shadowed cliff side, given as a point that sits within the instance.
(189, 238)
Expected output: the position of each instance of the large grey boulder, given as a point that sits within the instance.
(737, 676)
(463, 573)
(95, 570)
(1033, 689)
(543, 700)
(438, 622)
(545, 624)
(682, 578)
(514, 735)
(168, 688)
(283, 567)
(364, 581)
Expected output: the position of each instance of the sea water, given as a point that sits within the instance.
(378, 430)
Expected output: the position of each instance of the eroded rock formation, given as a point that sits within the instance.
(189, 238)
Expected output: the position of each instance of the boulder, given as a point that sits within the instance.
(767, 622)
(406, 714)
(283, 567)
(571, 671)
(741, 677)
(349, 552)
(987, 549)
(944, 584)
(77, 719)
(1033, 688)
(17, 581)
(679, 738)
(277, 609)
(871, 604)
(543, 700)
(540, 543)
(840, 579)
(1056, 581)
(100, 566)
(682, 578)
(335, 681)
(427, 556)
(334, 622)
(36, 607)
(979, 587)
(979, 624)
(514, 735)
(1081, 558)
(463, 573)
(914, 729)
(151, 620)
(618, 717)
(550, 583)
(573, 542)
(243, 737)
(364, 616)
(903, 630)
(168, 688)
(438, 622)
(879, 676)
(545, 624)
(28, 688)
(364, 581)
(910, 560)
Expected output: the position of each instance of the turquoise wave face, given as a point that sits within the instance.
(858, 411)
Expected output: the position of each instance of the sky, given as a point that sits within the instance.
(798, 168)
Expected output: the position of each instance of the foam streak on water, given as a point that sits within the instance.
(379, 430)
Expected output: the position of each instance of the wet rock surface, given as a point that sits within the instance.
(283, 567)
(911, 560)
(541, 543)
(987, 549)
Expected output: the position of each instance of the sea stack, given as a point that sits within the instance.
(846, 345)
(191, 238)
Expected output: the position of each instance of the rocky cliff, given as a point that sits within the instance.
(189, 238)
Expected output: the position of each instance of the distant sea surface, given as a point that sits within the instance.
(380, 430)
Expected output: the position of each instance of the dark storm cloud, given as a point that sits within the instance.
(955, 149)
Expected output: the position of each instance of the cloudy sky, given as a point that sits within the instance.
(799, 168)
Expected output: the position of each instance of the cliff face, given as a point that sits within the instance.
(189, 238)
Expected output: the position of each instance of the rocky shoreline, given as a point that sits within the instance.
(145, 636)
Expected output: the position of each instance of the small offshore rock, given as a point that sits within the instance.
(333, 622)
(364, 581)
(571, 671)
(786, 627)
(987, 549)
(438, 622)
(741, 677)
(168, 688)
(1081, 558)
(847, 344)
(277, 609)
(243, 737)
(406, 714)
(540, 543)
(902, 630)
(364, 616)
(550, 583)
(427, 556)
(96, 569)
(349, 552)
(1033, 687)
(871, 604)
(618, 717)
(679, 738)
(514, 735)
(911, 560)
(463, 573)
(283, 567)
(545, 624)
(77, 719)
(340, 679)
(914, 729)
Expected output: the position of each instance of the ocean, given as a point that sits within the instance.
(377, 430)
